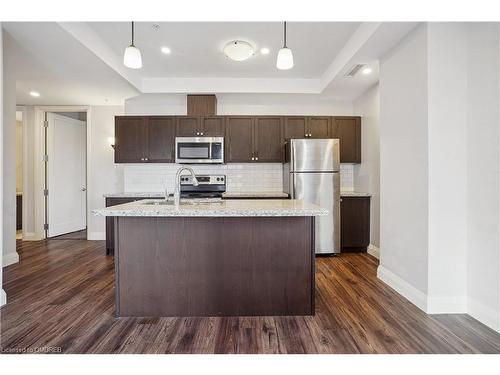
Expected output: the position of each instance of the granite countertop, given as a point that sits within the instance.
(216, 208)
(354, 194)
(253, 194)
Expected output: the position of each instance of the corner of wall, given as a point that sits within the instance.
(408, 291)
(3, 297)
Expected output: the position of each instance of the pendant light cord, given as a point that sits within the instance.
(132, 33)
(284, 33)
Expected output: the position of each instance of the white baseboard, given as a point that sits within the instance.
(31, 236)
(447, 305)
(374, 251)
(10, 258)
(408, 291)
(3, 297)
(96, 236)
(484, 314)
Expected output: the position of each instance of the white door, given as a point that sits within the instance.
(66, 175)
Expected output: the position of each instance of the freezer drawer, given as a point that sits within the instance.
(322, 189)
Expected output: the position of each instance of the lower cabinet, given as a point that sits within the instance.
(354, 224)
(110, 221)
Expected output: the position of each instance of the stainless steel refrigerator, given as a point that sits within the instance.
(311, 173)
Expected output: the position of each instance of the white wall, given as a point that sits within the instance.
(104, 175)
(403, 168)
(367, 174)
(9, 158)
(483, 164)
(3, 297)
(447, 158)
(241, 104)
(440, 120)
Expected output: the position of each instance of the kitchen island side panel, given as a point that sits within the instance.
(215, 266)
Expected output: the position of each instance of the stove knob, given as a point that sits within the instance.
(218, 178)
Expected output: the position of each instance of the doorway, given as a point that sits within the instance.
(19, 174)
(65, 174)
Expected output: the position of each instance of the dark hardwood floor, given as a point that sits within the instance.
(61, 295)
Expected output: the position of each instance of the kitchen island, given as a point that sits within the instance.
(214, 258)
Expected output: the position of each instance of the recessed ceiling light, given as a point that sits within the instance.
(165, 50)
(366, 70)
(238, 50)
(34, 94)
(264, 51)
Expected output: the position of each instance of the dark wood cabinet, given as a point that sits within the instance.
(200, 126)
(318, 127)
(354, 223)
(314, 127)
(110, 221)
(348, 131)
(295, 127)
(188, 126)
(19, 211)
(213, 126)
(254, 139)
(151, 139)
(268, 140)
(161, 140)
(239, 139)
(130, 139)
(143, 139)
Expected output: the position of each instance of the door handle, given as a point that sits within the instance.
(84, 189)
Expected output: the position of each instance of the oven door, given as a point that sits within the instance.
(199, 150)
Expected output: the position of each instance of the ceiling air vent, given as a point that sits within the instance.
(354, 70)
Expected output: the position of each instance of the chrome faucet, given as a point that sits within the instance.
(177, 189)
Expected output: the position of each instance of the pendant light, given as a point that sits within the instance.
(132, 56)
(285, 56)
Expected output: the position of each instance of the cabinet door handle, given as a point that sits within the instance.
(256, 158)
(142, 159)
(201, 133)
(146, 159)
(253, 158)
(197, 133)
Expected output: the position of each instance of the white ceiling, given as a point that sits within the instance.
(48, 60)
(82, 63)
(197, 47)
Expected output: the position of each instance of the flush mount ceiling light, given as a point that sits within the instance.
(132, 57)
(264, 51)
(34, 94)
(285, 56)
(238, 50)
(367, 70)
(165, 50)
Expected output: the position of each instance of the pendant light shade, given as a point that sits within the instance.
(285, 55)
(132, 57)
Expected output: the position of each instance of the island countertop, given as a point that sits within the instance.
(218, 208)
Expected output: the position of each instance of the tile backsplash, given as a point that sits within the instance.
(239, 177)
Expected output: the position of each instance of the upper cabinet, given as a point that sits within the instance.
(151, 139)
(144, 139)
(318, 127)
(205, 126)
(268, 139)
(161, 140)
(314, 127)
(254, 139)
(348, 131)
(130, 139)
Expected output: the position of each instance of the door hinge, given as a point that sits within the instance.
(45, 226)
(45, 157)
(45, 124)
(45, 192)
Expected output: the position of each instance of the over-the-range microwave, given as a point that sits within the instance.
(199, 150)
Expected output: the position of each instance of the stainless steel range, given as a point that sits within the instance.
(209, 186)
